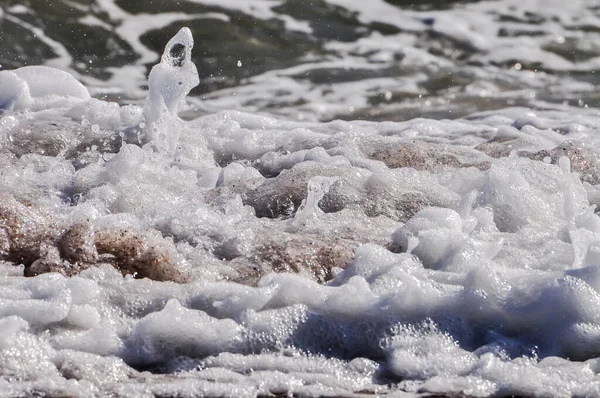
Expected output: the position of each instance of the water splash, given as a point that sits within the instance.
(169, 83)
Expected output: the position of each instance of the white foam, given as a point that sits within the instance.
(39, 87)
(461, 255)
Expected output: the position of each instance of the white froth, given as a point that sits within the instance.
(169, 83)
(507, 271)
(39, 87)
(443, 256)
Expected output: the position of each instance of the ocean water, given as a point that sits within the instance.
(299, 198)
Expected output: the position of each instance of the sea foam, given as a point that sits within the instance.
(238, 254)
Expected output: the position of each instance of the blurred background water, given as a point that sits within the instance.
(324, 59)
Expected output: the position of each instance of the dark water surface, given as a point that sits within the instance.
(324, 59)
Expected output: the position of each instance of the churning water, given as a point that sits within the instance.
(299, 198)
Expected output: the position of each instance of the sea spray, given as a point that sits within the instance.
(169, 83)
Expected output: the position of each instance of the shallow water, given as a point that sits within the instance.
(446, 243)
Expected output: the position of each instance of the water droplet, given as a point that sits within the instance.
(239, 63)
